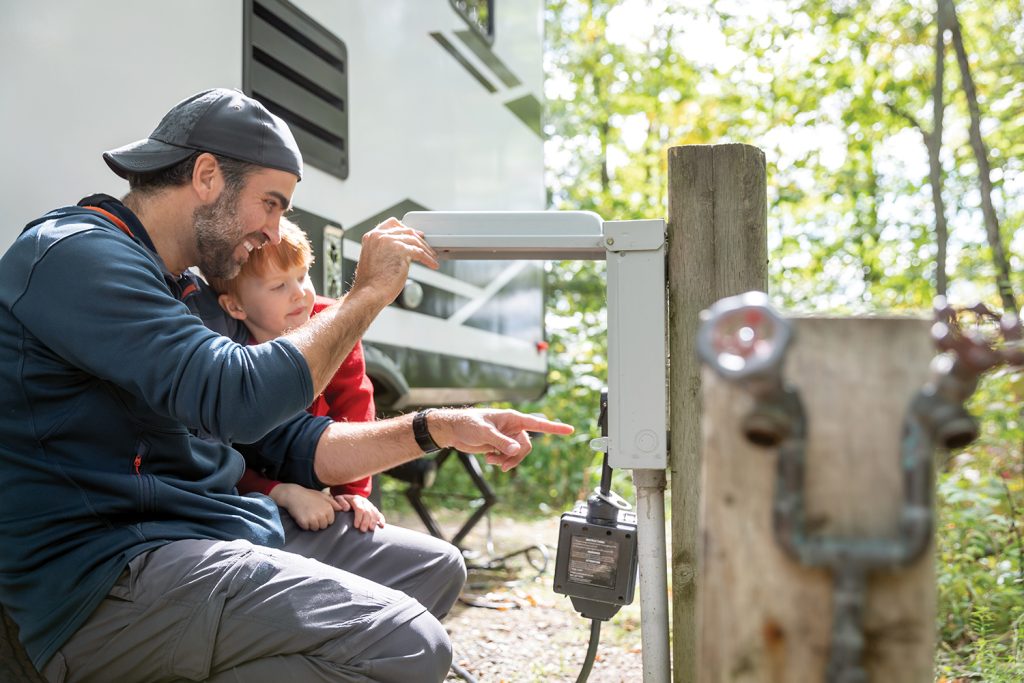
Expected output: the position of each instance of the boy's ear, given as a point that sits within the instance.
(231, 306)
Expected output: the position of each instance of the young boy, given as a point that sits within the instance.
(273, 294)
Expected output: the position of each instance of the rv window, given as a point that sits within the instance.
(299, 70)
(479, 14)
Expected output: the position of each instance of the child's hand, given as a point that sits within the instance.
(366, 514)
(312, 510)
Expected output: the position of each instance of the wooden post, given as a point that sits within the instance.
(762, 616)
(717, 246)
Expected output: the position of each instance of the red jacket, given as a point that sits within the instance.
(347, 398)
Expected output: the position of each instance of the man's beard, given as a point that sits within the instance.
(219, 231)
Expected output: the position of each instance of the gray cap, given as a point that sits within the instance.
(221, 121)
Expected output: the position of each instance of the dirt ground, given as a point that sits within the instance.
(520, 630)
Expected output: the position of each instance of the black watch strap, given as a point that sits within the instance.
(422, 434)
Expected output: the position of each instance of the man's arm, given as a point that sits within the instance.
(348, 451)
(120, 323)
(387, 252)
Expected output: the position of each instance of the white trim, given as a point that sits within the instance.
(422, 274)
(503, 278)
(408, 329)
(455, 396)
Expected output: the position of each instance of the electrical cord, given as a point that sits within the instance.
(605, 497)
(605, 491)
(462, 673)
(606, 470)
(588, 662)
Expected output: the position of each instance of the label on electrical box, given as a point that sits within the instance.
(593, 561)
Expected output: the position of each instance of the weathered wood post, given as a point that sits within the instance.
(763, 617)
(717, 246)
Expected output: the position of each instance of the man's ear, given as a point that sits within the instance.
(207, 179)
(231, 306)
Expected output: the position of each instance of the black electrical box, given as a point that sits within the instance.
(596, 562)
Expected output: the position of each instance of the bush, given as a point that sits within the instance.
(980, 545)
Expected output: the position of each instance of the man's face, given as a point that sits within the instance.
(239, 221)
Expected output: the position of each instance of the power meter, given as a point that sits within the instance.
(596, 563)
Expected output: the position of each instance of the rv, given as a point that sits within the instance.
(397, 105)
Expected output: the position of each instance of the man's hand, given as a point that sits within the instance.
(312, 510)
(366, 515)
(352, 450)
(501, 434)
(387, 252)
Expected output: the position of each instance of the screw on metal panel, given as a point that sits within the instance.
(610, 241)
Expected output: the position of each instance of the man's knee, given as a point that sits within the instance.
(455, 567)
(435, 643)
(418, 650)
(448, 576)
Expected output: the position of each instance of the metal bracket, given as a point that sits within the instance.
(642, 235)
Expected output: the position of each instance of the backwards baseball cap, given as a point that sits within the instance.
(221, 121)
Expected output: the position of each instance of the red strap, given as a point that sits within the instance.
(113, 219)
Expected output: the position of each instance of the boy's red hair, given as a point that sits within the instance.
(293, 250)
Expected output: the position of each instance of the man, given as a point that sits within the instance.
(127, 553)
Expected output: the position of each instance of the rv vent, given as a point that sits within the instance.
(299, 71)
(479, 14)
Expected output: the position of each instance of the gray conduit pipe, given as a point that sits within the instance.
(650, 514)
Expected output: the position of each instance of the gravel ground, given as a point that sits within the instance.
(527, 633)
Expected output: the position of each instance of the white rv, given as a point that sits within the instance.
(396, 104)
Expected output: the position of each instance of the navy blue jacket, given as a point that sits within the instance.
(117, 411)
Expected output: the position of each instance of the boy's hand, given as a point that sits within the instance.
(366, 514)
(312, 510)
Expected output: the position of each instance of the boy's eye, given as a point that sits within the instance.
(277, 288)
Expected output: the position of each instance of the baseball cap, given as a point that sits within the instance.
(222, 121)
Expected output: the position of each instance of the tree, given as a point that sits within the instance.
(995, 239)
(933, 142)
(862, 217)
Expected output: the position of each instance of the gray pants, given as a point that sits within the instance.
(364, 609)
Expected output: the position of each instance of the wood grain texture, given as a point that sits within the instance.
(717, 246)
(764, 618)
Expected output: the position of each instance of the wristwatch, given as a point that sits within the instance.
(422, 434)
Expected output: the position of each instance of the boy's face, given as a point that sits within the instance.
(273, 303)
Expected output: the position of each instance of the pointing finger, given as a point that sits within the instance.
(536, 423)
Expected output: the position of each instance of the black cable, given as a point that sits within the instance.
(588, 662)
(462, 673)
(602, 423)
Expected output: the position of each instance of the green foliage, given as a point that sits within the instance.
(838, 95)
(981, 546)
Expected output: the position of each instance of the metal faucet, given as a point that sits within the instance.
(745, 341)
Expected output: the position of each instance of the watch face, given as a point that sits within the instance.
(743, 336)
